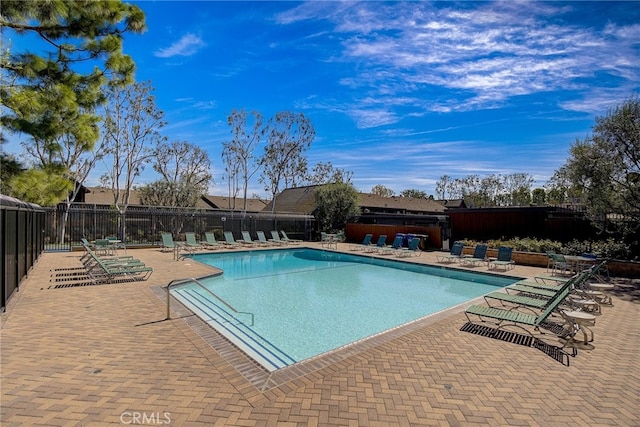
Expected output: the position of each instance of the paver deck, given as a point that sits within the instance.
(105, 355)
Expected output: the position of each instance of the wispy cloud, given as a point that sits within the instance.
(188, 45)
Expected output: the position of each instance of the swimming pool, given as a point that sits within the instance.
(305, 302)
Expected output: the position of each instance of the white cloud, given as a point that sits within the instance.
(188, 45)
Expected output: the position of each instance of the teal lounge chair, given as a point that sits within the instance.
(191, 241)
(395, 246)
(381, 243)
(504, 260)
(365, 242)
(454, 255)
(168, 243)
(478, 257)
(411, 250)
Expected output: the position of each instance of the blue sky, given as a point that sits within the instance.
(399, 93)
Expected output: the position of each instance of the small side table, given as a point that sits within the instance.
(579, 321)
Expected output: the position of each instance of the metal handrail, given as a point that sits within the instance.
(184, 281)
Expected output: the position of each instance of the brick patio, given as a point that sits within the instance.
(105, 355)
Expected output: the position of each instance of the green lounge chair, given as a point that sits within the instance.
(365, 242)
(275, 238)
(168, 243)
(454, 255)
(191, 241)
(287, 239)
(262, 239)
(504, 260)
(229, 240)
(103, 272)
(246, 239)
(478, 257)
(210, 241)
(514, 317)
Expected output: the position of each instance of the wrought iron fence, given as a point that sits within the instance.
(142, 226)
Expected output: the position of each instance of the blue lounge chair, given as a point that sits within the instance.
(395, 246)
(478, 257)
(504, 260)
(412, 249)
(365, 242)
(454, 256)
(381, 243)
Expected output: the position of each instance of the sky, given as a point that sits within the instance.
(399, 93)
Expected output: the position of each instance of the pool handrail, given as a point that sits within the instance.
(177, 282)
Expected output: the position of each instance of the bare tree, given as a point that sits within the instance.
(130, 134)
(289, 136)
(326, 173)
(237, 154)
(383, 191)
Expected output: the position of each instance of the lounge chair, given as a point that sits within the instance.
(365, 242)
(275, 238)
(262, 239)
(210, 241)
(559, 264)
(478, 257)
(247, 240)
(191, 241)
(454, 255)
(229, 240)
(168, 243)
(381, 243)
(287, 239)
(393, 248)
(412, 249)
(102, 271)
(513, 317)
(504, 259)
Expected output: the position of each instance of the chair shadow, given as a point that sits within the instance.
(556, 353)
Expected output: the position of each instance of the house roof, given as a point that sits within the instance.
(104, 196)
(302, 200)
(397, 203)
(452, 203)
(233, 203)
(294, 200)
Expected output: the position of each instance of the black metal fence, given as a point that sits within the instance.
(21, 226)
(142, 226)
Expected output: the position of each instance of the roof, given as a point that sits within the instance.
(104, 196)
(302, 200)
(400, 204)
(233, 203)
(452, 203)
(295, 200)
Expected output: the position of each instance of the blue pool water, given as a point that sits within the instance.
(306, 302)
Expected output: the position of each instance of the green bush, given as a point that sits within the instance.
(602, 248)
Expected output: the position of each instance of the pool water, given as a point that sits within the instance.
(306, 302)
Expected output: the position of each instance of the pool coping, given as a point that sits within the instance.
(265, 380)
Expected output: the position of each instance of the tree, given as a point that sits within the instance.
(445, 188)
(41, 187)
(238, 153)
(335, 204)
(539, 196)
(185, 169)
(289, 136)
(326, 173)
(414, 194)
(518, 188)
(9, 168)
(603, 170)
(131, 135)
(381, 190)
(53, 95)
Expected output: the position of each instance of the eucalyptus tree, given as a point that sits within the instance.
(326, 173)
(517, 187)
(414, 194)
(241, 165)
(186, 174)
(381, 190)
(289, 135)
(131, 134)
(445, 188)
